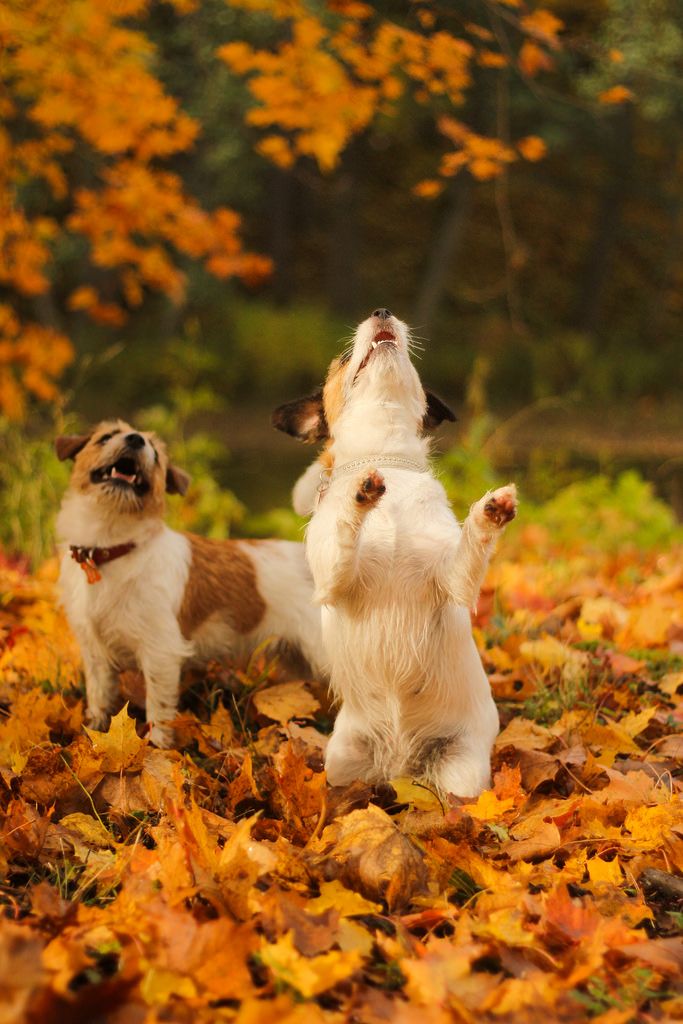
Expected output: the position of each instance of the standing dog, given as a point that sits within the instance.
(394, 572)
(138, 594)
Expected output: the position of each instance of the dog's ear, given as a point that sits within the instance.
(69, 445)
(303, 419)
(436, 412)
(177, 480)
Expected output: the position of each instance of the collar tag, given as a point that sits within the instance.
(92, 573)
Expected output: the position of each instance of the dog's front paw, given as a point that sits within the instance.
(97, 719)
(161, 736)
(497, 509)
(371, 490)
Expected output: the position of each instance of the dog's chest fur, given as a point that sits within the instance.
(136, 602)
(392, 640)
(401, 542)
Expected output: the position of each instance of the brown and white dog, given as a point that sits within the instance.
(138, 594)
(394, 572)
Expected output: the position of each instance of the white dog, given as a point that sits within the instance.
(395, 573)
(138, 594)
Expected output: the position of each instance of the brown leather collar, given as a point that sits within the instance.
(90, 558)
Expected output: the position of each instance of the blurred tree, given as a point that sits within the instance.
(86, 131)
(336, 66)
(381, 154)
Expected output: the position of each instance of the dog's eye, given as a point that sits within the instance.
(104, 438)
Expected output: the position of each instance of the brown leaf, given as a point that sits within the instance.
(537, 767)
(21, 973)
(568, 920)
(312, 933)
(523, 734)
(665, 955)
(533, 837)
(367, 852)
(300, 792)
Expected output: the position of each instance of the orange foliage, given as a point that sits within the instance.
(226, 881)
(75, 78)
(333, 72)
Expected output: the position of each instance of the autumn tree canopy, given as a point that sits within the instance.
(87, 129)
(333, 72)
(105, 142)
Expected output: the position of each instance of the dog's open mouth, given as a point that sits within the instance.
(125, 471)
(382, 338)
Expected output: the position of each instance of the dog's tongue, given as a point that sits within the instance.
(128, 477)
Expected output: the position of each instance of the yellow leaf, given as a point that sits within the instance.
(589, 631)
(605, 871)
(90, 830)
(159, 985)
(506, 925)
(310, 976)
(532, 59)
(346, 901)
(550, 653)
(285, 701)
(409, 792)
(650, 827)
(352, 936)
(83, 298)
(120, 747)
(670, 683)
(637, 721)
(488, 807)
(648, 626)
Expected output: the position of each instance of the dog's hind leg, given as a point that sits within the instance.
(349, 753)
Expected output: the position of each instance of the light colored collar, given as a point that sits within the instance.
(327, 476)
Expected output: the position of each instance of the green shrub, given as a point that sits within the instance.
(32, 480)
(609, 514)
(281, 351)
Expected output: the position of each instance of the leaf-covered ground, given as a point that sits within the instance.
(227, 881)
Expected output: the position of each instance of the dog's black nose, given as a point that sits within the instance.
(383, 314)
(135, 441)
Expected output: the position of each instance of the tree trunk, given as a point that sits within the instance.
(597, 269)
(446, 242)
(281, 193)
(343, 250)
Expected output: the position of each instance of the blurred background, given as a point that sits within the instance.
(201, 200)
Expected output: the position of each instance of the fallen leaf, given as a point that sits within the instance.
(310, 976)
(334, 895)
(367, 852)
(285, 701)
(119, 748)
